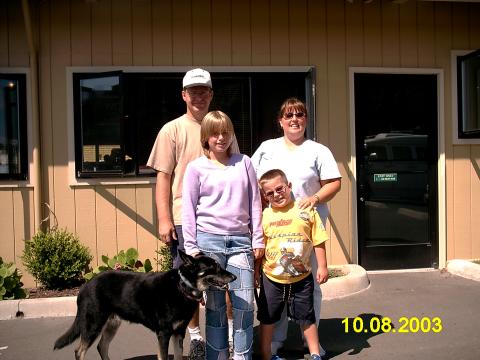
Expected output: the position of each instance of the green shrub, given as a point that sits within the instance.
(122, 261)
(164, 259)
(333, 273)
(56, 258)
(10, 284)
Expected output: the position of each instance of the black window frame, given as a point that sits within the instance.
(23, 161)
(249, 131)
(468, 95)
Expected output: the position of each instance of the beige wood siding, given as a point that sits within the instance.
(331, 35)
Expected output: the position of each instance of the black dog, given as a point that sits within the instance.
(163, 302)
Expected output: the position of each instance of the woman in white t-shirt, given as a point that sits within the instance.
(312, 170)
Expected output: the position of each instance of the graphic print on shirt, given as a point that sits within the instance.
(292, 263)
(289, 248)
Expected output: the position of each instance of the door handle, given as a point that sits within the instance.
(361, 199)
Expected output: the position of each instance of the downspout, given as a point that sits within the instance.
(36, 176)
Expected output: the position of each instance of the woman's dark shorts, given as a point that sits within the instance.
(298, 297)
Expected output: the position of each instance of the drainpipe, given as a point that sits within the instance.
(36, 176)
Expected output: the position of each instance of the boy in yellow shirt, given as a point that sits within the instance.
(285, 276)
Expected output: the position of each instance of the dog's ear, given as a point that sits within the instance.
(187, 259)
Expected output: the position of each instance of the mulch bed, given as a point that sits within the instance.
(36, 293)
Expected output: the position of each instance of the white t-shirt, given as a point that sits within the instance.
(304, 166)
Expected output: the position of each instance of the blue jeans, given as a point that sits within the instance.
(234, 253)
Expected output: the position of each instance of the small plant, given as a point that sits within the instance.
(124, 260)
(164, 259)
(56, 258)
(10, 284)
(333, 273)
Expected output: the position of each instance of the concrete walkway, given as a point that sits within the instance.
(404, 303)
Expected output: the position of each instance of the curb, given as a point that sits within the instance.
(354, 281)
(37, 308)
(464, 268)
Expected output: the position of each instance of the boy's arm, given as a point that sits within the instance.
(258, 266)
(322, 271)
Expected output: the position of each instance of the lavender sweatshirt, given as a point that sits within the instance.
(224, 201)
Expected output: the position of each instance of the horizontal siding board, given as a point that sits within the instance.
(63, 197)
(354, 51)
(203, 33)
(23, 228)
(7, 243)
(298, 35)
(162, 33)
(81, 33)
(443, 38)
(340, 239)
(221, 33)
(390, 31)
(106, 217)
(126, 217)
(426, 34)
(408, 35)
(182, 33)
(260, 23)
(317, 30)
(102, 33)
(372, 20)
(475, 195)
(122, 47)
(142, 33)
(17, 40)
(241, 33)
(460, 22)
(474, 34)
(4, 29)
(146, 223)
(279, 33)
(462, 202)
(86, 219)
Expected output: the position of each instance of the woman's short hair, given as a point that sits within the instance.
(216, 122)
(292, 103)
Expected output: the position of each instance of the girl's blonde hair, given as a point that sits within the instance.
(216, 122)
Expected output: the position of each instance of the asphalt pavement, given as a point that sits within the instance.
(404, 315)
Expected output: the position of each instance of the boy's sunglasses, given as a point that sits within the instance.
(279, 190)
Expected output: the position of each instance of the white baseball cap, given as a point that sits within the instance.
(197, 77)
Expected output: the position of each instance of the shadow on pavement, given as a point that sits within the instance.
(337, 336)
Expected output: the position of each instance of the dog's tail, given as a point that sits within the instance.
(70, 336)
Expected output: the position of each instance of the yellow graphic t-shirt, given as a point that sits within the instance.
(290, 235)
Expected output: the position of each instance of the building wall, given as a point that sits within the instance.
(332, 35)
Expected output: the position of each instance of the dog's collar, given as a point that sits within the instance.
(189, 290)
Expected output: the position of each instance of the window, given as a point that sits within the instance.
(117, 115)
(13, 123)
(468, 92)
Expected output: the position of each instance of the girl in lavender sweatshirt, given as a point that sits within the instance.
(222, 218)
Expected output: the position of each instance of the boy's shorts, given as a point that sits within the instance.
(298, 296)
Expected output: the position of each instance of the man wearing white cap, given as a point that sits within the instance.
(178, 143)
